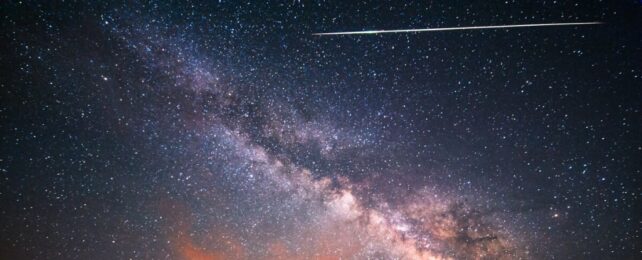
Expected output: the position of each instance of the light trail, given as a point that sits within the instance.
(459, 28)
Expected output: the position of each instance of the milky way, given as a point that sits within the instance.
(228, 131)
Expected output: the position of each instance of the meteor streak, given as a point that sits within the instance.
(460, 28)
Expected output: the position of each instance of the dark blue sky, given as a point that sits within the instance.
(228, 131)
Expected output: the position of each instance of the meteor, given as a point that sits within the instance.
(508, 26)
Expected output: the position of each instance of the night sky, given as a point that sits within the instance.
(226, 130)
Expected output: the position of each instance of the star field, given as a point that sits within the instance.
(227, 130)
